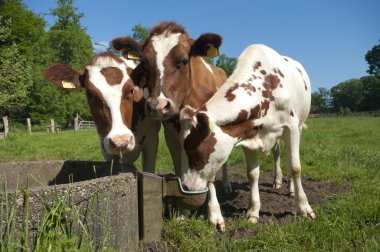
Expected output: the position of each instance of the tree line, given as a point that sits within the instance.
(28, 45)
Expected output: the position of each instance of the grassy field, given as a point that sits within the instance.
(339, 150)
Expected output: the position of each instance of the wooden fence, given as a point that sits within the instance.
(53, 127)
(4, 134)
(80, 124)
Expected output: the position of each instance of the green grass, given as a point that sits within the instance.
(340, 150)
(66, 145)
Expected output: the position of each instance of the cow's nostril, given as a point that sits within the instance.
(111, 143)
(167, 106)
(184, 187)
(151, 106)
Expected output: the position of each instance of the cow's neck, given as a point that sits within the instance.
(202, 83)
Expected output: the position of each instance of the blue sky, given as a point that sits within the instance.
(329, 37)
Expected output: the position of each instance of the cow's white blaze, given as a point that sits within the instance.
(163, 44)
(111, 94)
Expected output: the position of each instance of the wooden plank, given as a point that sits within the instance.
(6, 126)
(150, 206)
(52, 123)
(28, 121)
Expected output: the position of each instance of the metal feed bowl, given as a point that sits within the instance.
(175, 194)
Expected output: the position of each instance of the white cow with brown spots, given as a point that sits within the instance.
(117, 107)
(266, 98)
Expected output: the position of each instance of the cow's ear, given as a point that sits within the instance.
(63, 76)
(207, 45)
(139, 76)
(203, 123)
(130, 49)
(187, 116)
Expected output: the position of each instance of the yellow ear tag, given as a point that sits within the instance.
(212, 51)
(68, 84)
(211, 126)
(132, 56)
(142, 82)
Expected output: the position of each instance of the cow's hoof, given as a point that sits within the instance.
(253, 220)
(227, 188)
(292, 194)
(221, 227)
(277, 186)
(311, 215)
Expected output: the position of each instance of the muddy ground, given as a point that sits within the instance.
(276, 204)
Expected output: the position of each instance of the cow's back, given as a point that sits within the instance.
(293, 90)
(262, 77)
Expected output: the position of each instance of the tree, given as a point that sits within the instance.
(140, 33)
(373, 59)
(68, 43)
(15, 74)
(320, 101)
(371, 93)
(349, 94)
(226, 63)
(26, 28)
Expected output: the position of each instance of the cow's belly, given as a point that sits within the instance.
(264, 141)
(272, 128)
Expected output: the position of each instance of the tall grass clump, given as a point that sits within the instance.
(60, 227)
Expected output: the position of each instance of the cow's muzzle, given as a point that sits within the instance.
(160, 108)
(121, 143)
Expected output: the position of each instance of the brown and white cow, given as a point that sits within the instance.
(266, 98)
(176, 75)
(117, 107)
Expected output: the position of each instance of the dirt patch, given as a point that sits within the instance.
(275, 203)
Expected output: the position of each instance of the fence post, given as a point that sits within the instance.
(76, 122)
(29, 125)
(6, 126)
(52, 125)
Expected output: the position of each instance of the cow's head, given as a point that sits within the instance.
(110, 95)
(165, 69)
(206, 146)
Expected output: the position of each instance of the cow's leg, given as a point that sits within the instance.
(253, 173)
(225, 179)
(214, 212)
(277, 183)
(291, 187)
(174, 146)
(292, 142)
(150, 147)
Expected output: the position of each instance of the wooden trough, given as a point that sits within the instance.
(107, 199)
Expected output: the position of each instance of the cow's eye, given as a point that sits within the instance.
(182, 63)
(129, 93)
